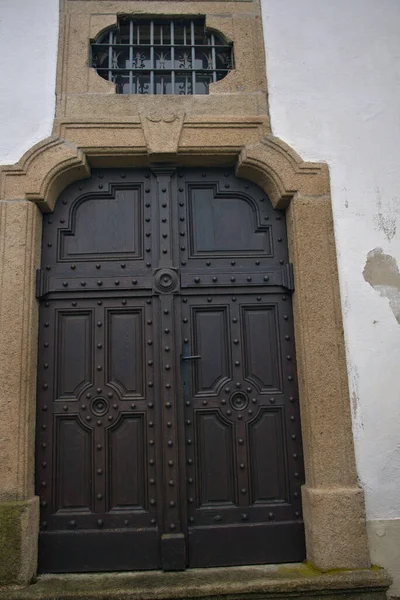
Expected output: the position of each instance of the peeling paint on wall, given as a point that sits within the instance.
(386, 218)
(382, 273)
(354, 396)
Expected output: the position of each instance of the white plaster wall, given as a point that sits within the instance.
(28, 41)
(333, 68)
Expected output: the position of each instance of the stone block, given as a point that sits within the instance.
(19, 527)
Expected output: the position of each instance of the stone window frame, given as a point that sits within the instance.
(139, 132)
(163, 40)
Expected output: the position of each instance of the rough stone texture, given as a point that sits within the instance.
(231, 583)
(162, 132)
(19, 527)
(333, 504)
(20, 233)
(328, 443)
(243, 91)
(108, 106)
(334, 521)
(281, 172)
(162, 141)
(51, 165)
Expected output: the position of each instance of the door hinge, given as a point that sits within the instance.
(288, 277)
(40, 283)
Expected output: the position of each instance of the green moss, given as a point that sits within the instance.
(10, 541)
(333, 571)
(376, 568)
(307, 569)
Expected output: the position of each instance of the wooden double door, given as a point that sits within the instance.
(168, 430)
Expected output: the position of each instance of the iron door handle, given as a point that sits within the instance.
(194, 357)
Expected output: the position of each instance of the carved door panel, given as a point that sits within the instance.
(242, 433)
(168, 426)
(95, 461)
(97, 426)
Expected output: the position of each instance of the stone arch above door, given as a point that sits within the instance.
(47, 168)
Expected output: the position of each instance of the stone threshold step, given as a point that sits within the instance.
(224, 583)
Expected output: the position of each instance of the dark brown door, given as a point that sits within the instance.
(168, 416)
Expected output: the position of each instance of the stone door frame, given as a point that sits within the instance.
(333, 503)
(94, 127)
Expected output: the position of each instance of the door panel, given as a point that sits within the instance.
(210, 341)
(237, 316)
(215, 462)
(269, 473)
(224, 224)
(73, 465)
(126, 489)
(74, 332)
(168, 430)
(261, 347)
(97, 471)
(244, 467)
(104, 226)
(124, 358)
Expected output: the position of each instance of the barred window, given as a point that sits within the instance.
(156, 56)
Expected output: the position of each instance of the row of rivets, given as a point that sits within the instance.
(100, 522)
(166, 341)
(100, 283)
(292, 400)
(233, 262)
(232, 279)
(150, 404)
(189, 432)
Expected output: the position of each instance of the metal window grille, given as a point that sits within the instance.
(174, 56)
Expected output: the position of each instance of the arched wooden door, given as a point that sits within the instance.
(168, 429)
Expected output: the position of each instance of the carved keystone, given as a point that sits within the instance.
(162, 133)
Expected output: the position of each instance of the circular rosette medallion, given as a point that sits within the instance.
(99, 406)
(165, 281)
(239, 401)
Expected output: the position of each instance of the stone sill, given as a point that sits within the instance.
(228, 583)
